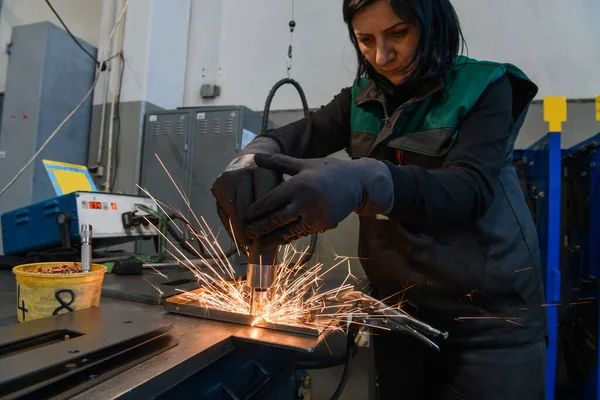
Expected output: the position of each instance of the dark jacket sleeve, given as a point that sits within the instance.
(324, 132)
(462, 190)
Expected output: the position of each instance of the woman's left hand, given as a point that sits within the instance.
(318, 196)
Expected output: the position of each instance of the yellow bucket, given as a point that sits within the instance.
(43, 295)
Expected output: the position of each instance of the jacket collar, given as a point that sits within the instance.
(371, 92)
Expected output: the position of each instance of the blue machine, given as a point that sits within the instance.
(55, 222)
(581, 266)
(541, 172)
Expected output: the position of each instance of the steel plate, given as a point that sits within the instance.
(182, 304)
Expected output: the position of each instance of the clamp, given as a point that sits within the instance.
(372, 312)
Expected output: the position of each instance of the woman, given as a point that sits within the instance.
(431, 137)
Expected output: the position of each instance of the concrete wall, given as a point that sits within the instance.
(242, 45)
(554, 41)
(155, 50)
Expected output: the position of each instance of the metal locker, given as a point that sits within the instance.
(211, 138)
(166, 141)
(215, 135)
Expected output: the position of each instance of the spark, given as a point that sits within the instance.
(234, 239)
(489, 317)
(160, 292)
(337, 256)
(297, 296)
(470, 294)
(513, 322)
(524, 269)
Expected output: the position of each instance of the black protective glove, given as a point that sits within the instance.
(233, 188)
(319, 195)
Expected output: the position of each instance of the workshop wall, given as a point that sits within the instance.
(82, 18)
(554, 41)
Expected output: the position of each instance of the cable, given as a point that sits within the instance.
(350, 352)
(226, 254)
(87, 96)
(117, 118)
(307, 114)
(72, 36)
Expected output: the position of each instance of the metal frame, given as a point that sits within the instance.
(592, 389)
(36, 357)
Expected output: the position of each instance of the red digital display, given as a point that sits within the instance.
(95, 205)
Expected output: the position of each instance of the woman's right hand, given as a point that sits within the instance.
(234, 189)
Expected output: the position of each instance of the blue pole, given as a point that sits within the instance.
(594, 240)
(553, 256)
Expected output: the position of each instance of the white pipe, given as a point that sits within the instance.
(188, 57)
(106, 87)
(115, 76)
(102, 119)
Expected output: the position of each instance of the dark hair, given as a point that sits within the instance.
(440, 43)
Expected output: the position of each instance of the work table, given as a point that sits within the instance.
(201, 343)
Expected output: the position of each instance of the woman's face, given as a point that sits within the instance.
(386, 41)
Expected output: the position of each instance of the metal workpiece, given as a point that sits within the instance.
(294, 336)
(86, 247)
(375, 313)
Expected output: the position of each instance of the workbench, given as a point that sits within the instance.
(204, 347)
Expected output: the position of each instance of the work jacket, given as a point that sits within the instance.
(459, 249)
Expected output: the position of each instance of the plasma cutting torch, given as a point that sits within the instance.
(262, 264)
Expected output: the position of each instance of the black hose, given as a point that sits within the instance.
(350, 352)
(189, 248)
(305, 138)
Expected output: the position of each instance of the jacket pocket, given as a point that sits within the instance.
(433, 143)
(495, 291)
(427, 149)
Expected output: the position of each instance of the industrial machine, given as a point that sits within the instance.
(56, 222)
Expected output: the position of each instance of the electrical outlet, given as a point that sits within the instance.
(210, 91)
(97, 171)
